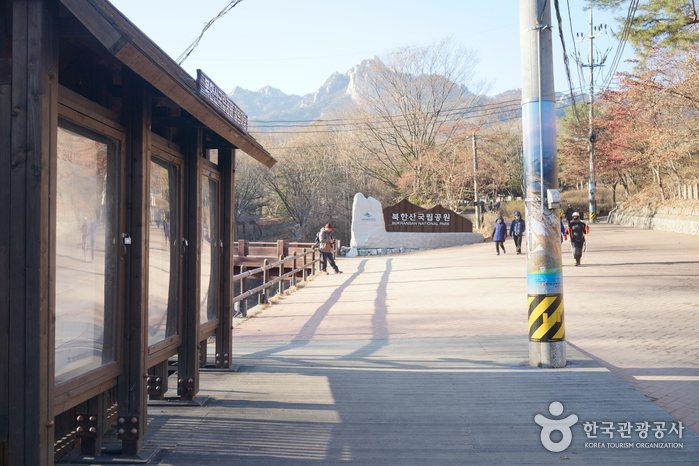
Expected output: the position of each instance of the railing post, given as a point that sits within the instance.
(243, 290)
(293, 276)
(242, 248)
(313, 266)
(304, 275)
(281, 272)
(280, 248)
(265, 279)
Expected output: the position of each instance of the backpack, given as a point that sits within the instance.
(577, 231)
(317, 240)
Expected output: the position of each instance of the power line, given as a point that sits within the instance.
(624, 36)
(183, 56)
(332, 125)
(565, 58)
(457, 110)
(508, 110)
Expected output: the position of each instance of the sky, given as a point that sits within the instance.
(296, 45)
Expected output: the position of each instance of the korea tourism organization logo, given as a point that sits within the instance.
(549, 426)
(557, 432)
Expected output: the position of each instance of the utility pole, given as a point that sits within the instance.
(542, 200)
(476, 202)
(591, 136)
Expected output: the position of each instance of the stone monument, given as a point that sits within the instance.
(405, 227)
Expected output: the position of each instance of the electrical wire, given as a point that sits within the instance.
(183, 56)
(505, 114)
(624, 36)
(565, 58)
(456, 114)
(576, 55)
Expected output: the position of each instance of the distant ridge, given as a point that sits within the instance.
(270, 103)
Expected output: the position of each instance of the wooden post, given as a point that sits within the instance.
(189, 352)
(265, 278)
(131, 388)
(27, 236)
(243, 289)
(305, 271)
(92, 425)
(158, 380)
(281, 246)
(5, 200)
(281, 272)
(293, 277)
(202, 355)
(224, 332)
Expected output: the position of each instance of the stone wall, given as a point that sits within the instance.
(676, 219)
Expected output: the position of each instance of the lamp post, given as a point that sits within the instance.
(591, 137)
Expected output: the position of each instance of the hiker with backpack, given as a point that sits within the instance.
(577, 231)
(326, 245)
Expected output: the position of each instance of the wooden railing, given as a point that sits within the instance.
(295, 262)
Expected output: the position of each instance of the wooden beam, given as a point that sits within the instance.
(224, 331)
(131, 386)
(186, 97)
(188, 357)
(177, 122)
(140, 54)
(34, 117)
(5, 199)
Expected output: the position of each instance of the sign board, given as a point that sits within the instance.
(408, 217)
(216, 97)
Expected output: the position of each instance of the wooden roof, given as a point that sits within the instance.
(133, 48)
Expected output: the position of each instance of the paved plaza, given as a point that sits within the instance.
(421, 358)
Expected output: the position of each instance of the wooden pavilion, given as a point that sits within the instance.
(116, 226)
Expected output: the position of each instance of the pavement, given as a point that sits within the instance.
(421, 358)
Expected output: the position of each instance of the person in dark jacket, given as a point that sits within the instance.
(517, 228)
(569, 213)
(577, 231)
(327, 245)
(499, 235)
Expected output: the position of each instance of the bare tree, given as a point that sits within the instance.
(250, 195)
(409, 104)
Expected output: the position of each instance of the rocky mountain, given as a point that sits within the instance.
(269, 103)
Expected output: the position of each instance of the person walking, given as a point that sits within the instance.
(499, 235)
(327, 244)
(517, 228)
(577, 231)
(569, 213)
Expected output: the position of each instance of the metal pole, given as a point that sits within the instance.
(544, 263)
(592, 199)
(476, 203)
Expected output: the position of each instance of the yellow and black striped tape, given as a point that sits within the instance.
(546, 317)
